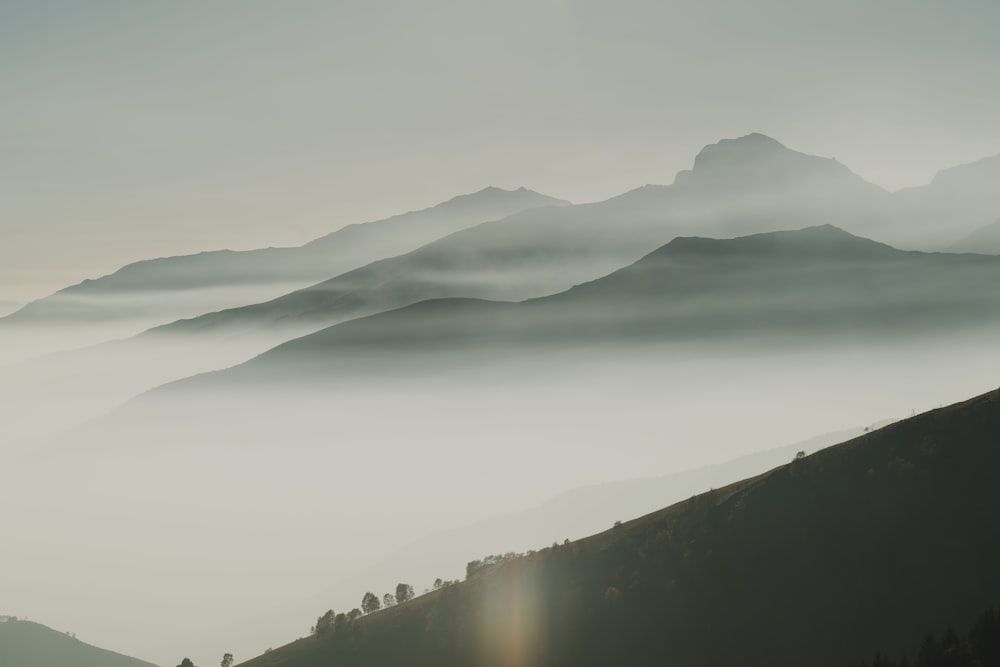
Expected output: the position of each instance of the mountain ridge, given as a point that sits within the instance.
(821, 561)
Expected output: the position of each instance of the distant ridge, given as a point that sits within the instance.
(349, 247)
(818, 241)
(984, 240)
(811, 285)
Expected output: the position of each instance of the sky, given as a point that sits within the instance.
(140, 129)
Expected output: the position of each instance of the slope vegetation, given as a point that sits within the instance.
(859, 548)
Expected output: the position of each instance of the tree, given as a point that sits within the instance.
(186, 662)
(438, 583)
(325, 623)
(370, 603)
(227, 660)
(404, 592)
(388, 600)
(354, 614)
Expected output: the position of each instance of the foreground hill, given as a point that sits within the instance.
(858, 548)
(27, 644)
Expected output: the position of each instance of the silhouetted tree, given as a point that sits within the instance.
(354, 614)
(404, 592)
(985, 639)
(325, 623)
(227, 660)
(186, 662)
(438, 583)
(370, 603)
(388, 600)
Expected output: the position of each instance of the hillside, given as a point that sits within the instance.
(861, 547)
(27, 644)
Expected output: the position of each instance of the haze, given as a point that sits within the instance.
(140, 130)
(455, 311)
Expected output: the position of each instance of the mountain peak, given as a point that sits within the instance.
(493, 193)
(750, 146)
(753, 159)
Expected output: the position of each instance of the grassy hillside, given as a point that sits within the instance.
(27, 644)
(858, 548)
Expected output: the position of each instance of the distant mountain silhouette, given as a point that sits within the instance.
(858, 548)
(7, 307)
(736, 187)
(985, 240)
(810, 286)
(957, 201)
(27, 644)
(755, 184)
(270, 269)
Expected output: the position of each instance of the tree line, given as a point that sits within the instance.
(979, 648)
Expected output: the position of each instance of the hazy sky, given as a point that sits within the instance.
(136, 128)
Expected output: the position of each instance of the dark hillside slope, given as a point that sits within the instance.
(858, 548)
(27, 644)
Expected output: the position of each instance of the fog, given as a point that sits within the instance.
(76, 321)
(192, 511)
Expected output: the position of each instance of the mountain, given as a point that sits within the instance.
(810, 286)
(957, 201)
(27, 644)
(737, 186)
(155, 291)
(858, 548)
(573, 514)
(985, 240)
(756, 184)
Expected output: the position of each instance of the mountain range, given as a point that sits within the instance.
(156, 291)
(807, 287)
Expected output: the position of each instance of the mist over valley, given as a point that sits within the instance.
(561, 334)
